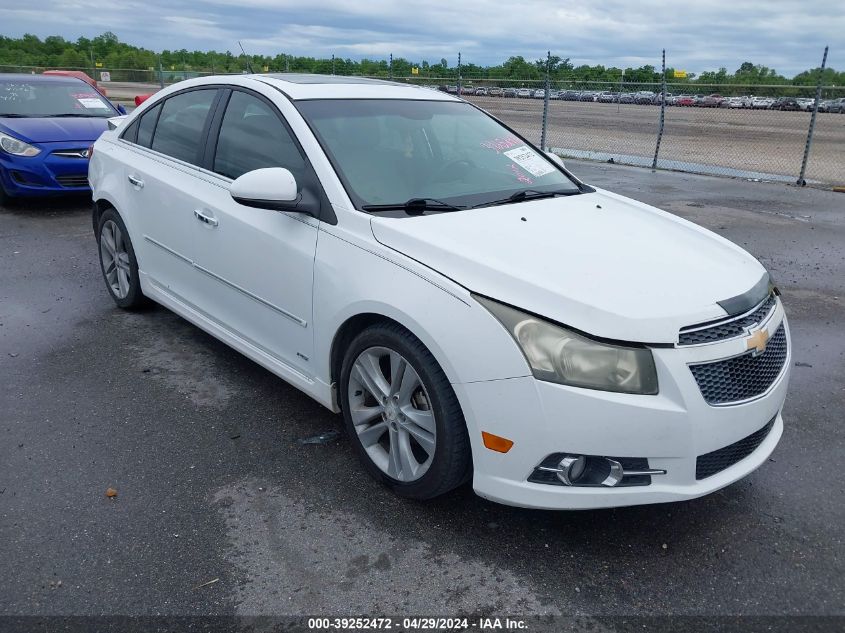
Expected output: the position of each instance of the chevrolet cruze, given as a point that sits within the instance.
(474, 311)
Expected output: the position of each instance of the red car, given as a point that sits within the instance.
(79, 75)
(684, 100)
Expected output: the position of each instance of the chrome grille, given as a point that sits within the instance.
(727, 329)
(742, 377)
(717, 461)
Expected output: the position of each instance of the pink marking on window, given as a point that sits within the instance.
(502, 144)
(520, 176)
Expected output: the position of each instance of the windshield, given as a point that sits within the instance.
(22, 98)
(391, 151)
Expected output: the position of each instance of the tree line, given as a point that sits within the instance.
(107, 52)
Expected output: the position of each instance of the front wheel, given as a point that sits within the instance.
(118, 263)
(402, 414)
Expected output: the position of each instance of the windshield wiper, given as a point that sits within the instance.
(72, 114)
(414, 206)
(529, 194)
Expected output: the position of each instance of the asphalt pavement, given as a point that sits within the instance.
(220, 509)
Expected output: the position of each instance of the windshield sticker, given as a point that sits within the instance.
(92, 104)
(501, 144)
(521, 177)
(530, 161)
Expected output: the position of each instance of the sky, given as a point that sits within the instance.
(788, 35)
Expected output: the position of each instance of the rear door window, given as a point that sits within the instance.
(146, 126)
(179, 132)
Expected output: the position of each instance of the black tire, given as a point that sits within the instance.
(451, 464)
(134, 298)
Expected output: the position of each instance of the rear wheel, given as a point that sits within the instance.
(117, 261)
(402, 414)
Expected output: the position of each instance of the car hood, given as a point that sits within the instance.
(598, 262)
(41, 130)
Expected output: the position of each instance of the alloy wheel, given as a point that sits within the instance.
(114, 258)
(391, 413)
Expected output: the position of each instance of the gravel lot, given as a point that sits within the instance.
(765, 141)
(202, 448)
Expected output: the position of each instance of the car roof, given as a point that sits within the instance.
(304, 86)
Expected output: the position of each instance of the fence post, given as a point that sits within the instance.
(160, 73)
(546, 102)
(662, 113)
(801, 182)
(390, 68)
(459, 73)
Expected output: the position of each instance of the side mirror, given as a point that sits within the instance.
(556, 159)
(273, 188)
(121, 109)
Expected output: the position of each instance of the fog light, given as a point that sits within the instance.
(597, 471)
(571, 468)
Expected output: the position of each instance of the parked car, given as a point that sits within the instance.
(837, 105)
(540, 93)
(587, 95)
(731, 102)
(644, 97)
(79, 75)
(607, 97)
(509, 92)
(684, 100)
(712, 101)
(626, 97)
(452, 90)
(481, 91)
(570, 95)
(761, 103)
(524, 93)
(546, 378)
(786, 103)
(494, 91)
(47, 124)
(467, 90)
(806, 103)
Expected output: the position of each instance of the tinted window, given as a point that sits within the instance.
(251, 137)
(179, 130)
(131, 132)
(147, 126)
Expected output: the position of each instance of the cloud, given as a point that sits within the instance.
(788, 35)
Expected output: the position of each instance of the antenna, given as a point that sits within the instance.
(248, 63)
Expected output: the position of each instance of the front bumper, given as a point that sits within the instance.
(671, 429)
(46, 174)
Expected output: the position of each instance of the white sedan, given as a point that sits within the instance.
(474, 310)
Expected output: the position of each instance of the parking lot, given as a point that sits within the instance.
(221, 508)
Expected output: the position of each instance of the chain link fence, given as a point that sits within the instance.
(747, 131)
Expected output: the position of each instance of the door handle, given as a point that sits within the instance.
(135, 181)
(206, 219)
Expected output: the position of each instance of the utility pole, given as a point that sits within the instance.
(390, 68)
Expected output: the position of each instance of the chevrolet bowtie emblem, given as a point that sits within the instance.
(757, 341)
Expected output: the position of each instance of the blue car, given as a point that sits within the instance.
(47, 124)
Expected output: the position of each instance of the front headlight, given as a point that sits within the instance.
(11, 145)
(559, 355)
